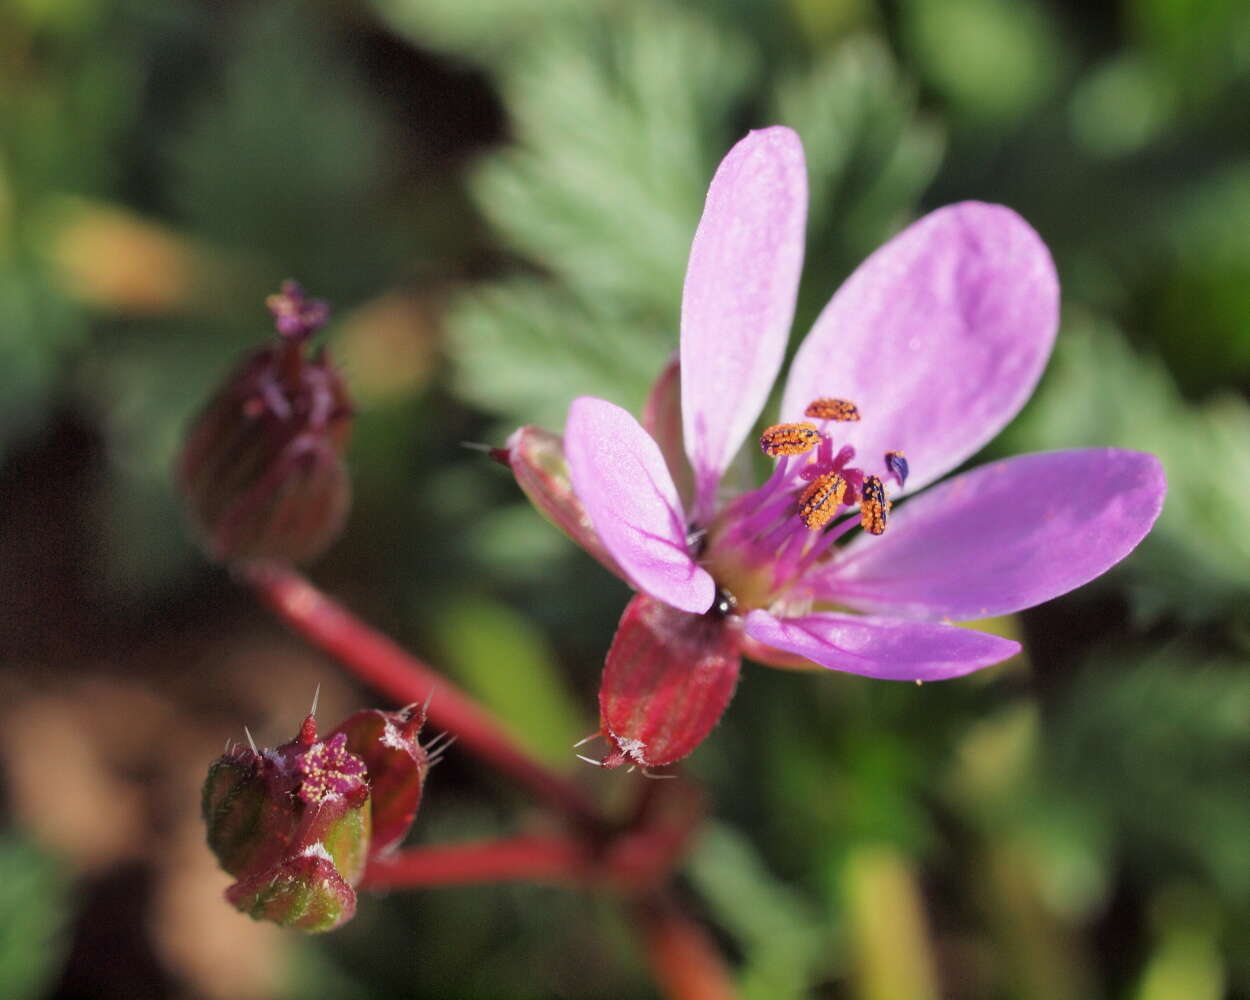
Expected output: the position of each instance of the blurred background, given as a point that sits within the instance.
(498, 198)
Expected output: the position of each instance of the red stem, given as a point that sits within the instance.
(382, 664)
(532, 859)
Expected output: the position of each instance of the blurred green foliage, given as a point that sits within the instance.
(1073, 825)
(34, 900)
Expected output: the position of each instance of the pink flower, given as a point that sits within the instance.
(919, 359)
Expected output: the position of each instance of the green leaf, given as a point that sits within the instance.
(784, 937)
(527, 348)
(869, 156)
(484, 29)
(34, 906)
(620, 125)
(313, 139)
(1158, 745)
(994, 59)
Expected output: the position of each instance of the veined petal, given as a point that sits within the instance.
(1003, 537)
(536, 458)
(661, 417)
(620, 477)
(666, 682)
(885, 648)
(939, 337)
(738, 300)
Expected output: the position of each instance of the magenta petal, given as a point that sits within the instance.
(939, 337)
(1003, 537)
(738, 300)
(884, 648)
(619, 474)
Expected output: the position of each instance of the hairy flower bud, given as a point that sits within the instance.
(262, 469)
(293, 825)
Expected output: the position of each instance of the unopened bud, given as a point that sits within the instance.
(262, 469)
(389, 744)
(293, 825)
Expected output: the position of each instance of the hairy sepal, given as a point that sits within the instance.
(668, 678)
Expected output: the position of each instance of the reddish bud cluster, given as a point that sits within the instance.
(296, 824)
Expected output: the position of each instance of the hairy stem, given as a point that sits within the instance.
(382, 664)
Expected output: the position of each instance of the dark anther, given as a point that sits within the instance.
(897, 466)
(723, 604)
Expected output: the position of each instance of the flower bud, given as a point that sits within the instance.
(293, 825)
(262, 469)
(388, 743)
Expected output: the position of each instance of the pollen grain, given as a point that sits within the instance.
(789, 439)
(842, 410)
(874, 508)
(820, 500)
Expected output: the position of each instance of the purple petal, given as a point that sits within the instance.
(620, 476)
(885, 648)
(1003, 537)
(738, 300)
(939, 337)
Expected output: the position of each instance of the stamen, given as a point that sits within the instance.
(897, 464)
(819, 501)
(789, 439)
(832, 409)
(874, 508)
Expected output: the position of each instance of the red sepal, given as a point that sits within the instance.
(536, 458)
(661, 416)
(304, 892)
(388, 743)
(668, 678)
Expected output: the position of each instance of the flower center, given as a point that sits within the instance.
(329, 770)
(767, 539)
